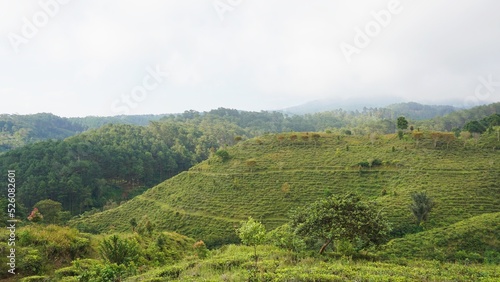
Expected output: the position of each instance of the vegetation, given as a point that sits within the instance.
(337, 191)
(208, 200)
(421, 206)
(19, 130)
(341, 218)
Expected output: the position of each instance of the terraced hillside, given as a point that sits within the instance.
(266, 177)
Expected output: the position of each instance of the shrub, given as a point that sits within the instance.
(223, 155)
(119, 251)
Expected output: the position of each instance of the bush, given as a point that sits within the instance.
(31, 262)
(364, 164)
(223, 155)
(119, 251)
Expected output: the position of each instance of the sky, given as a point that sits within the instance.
(106, 58)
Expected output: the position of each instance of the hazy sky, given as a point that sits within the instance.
(90, 57)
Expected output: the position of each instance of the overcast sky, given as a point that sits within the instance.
(90, 57)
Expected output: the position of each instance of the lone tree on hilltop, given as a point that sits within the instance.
(421, 206)
(341, 218)
(402, 123)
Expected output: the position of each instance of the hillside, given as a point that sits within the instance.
(265, 177)
(19, 130)
(471, 240)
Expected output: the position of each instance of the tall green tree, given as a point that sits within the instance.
(51, 210)
(421, 206)
(252, 233)
(402, 123)
(344, 217)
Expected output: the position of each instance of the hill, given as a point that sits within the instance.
(267, 176)
(19, 130)
(472, 239)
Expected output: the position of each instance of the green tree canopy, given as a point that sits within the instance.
(252, 233)
(344, 217)
(51, 210)
(421, 206)
(402, 123)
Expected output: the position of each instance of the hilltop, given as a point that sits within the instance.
(266, 177)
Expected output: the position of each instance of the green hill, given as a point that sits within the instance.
(472, 239)
(19, 130)
(266, 177)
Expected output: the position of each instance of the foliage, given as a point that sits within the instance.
(35, 216)
(96, 271)
(421, 206)
(223, 155)
(120, 251)
(341, 217)
(19, 130)
(205, 204)
(51, 210)
(251, 232)
(200, 249)
(402, 123)
(284, 237)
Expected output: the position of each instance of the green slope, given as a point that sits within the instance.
(473, 239)
(266, 177)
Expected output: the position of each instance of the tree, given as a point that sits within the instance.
(475, 127)
(315, 137)
(421, 206)
(35, 216)
(252, 233)
(448, 137)
(402, 123)
(465, 135)
(400, 134)
(51, 210)
(417, 136)
(341, 217)
(305, 138)
(223, 155)
(133, 223)
(119, 251)
(284, 237)
(436, 136)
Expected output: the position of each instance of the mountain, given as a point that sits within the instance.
(267, 176)
(346, 104)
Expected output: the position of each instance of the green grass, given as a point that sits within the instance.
(208, 201)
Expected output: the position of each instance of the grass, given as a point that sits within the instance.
(208, 201)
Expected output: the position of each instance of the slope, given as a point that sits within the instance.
(265, 177)
(472, 239)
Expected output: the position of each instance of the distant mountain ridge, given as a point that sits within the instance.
(19, 130)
